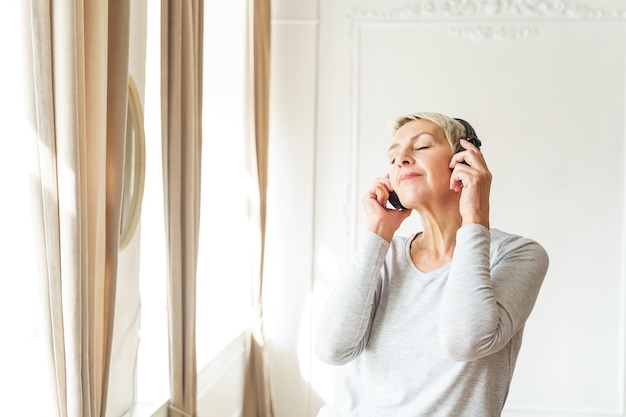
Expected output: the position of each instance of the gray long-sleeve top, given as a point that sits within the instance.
(435, 344)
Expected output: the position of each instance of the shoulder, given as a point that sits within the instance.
(400, 242)
(507, 245)
(401, 246)
(501, 239)
(374, 245)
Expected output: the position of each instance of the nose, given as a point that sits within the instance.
(404, 158)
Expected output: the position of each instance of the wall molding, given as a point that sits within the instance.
(483, 33)
(305, 22)
(491, 13)
(491, 9)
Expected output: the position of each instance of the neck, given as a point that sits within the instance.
(434, 247)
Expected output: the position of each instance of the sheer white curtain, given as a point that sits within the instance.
(80, 61)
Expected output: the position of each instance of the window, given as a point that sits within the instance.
(22, 356)
(224, 264)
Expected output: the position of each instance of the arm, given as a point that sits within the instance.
(345, 321)
(485, 303)
(344, 324)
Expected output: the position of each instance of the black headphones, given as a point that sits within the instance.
(470, 134)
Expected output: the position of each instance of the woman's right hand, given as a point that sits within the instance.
(380, 219)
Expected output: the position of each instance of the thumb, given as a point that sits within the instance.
(402, 215)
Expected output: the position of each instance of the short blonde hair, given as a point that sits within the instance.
(452, 128)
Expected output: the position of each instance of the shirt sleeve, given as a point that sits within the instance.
(345, 321)
(490, 292)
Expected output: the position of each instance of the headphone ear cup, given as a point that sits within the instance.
(470, 134)
(474, 140)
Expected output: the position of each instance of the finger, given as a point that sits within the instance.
(466, 144)
(371, 203)
(456, 184)
(456, 159)
(459, 156)
(462, 175)
(402, 214)
(470, 157)
(382, 188)
(385, 182)
(379, 193)
(382, 195)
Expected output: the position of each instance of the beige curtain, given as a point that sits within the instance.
(257, 391)
(80, 68)
(181, 111)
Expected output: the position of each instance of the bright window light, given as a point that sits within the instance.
(224, 264)
(152, 361)
(23, 366)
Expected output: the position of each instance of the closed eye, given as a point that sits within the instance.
(415, 149)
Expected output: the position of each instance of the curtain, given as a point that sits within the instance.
(257, 390)
(80, 70)
(181, 111)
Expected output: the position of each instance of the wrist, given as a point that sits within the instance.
(476, 220)
(475, 216)
(381, 231)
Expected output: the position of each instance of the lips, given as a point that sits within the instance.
(408, 176)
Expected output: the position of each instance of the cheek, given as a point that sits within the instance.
(441, 171)
(444, 162)
(393, 175)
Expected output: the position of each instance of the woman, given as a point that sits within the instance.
(431, 324)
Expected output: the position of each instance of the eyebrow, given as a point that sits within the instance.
(413, 139)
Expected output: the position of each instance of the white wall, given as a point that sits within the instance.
(542, 83)
(291, 203)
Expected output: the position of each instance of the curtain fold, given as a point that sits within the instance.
(181, 111)
(257, 390)
(117, 112)
(80, 68)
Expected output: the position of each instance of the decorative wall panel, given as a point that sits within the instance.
(543, 84)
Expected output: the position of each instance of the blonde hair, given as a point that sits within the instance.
(453, 129)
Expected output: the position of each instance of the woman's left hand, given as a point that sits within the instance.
(471, 177)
